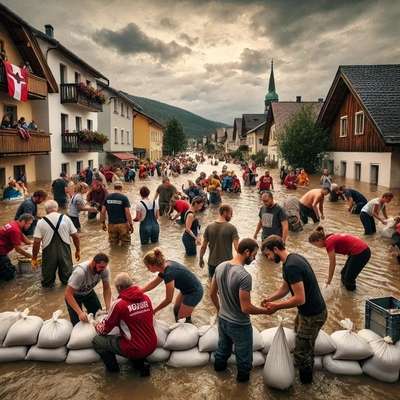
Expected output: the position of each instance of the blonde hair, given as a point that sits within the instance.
(317, 235)
(154, 257)
(81, 187)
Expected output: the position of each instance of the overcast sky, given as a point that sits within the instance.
(213, 57)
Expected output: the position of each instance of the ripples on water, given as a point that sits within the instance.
(41, 381)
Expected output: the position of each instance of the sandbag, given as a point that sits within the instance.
(324, 344)
(341, 367)
(269, 334)
(24, 331)
(368, 335)
(158, 355)
(100, 316)
(36, 353)
(349, 345)
(7, 319)
(318, 363)
(162, 330)
(385, 376)
(208, 338)
(55, 332)
(82, 335)
(188, 358)
(279, 368)
(183, 336)
(11, 354)
(258, 359)
(82, 356)
(258, 343)
(387, 230)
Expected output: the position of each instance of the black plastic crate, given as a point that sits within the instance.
(382, 316)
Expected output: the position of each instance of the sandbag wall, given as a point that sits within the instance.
(182, 345)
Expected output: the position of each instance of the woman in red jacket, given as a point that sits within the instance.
(132, 313)
(342, 243)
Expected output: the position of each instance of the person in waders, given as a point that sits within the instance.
(147, 213)
(54, 232)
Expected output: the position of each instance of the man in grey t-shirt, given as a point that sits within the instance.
(230, 293)
(80, 289)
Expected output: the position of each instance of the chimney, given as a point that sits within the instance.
(49, 30)
(298, 99)
(320, 100)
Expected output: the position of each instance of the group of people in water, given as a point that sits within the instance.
(230, 283)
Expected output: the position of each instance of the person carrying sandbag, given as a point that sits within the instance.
(132, 312)
(300, 280)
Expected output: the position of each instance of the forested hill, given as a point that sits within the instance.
(193, 125)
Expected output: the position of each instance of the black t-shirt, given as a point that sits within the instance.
(356, 196)
(59, 186)
(115, 205)
(297, 269)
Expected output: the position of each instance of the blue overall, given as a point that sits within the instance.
(149, 229)
(188, 241)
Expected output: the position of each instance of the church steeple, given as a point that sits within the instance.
(271, 95)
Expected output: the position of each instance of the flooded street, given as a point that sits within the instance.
(381, 277)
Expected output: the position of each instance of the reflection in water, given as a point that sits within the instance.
(381, 277)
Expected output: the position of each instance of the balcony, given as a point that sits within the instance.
(11, 144)
(82, 95)
(75, 143)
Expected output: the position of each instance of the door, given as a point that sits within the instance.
(79, 166)
(343, 168)
(357, 171)
(63, 73)
(374, 174)
(19, 171)
(65, 168)
(2, 177)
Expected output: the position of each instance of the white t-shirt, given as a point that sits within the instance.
(83, 280)
(369, 207)
(76, 201)
(45, 232)
(149, 204)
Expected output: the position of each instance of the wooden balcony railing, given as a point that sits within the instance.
(71, 143)
(37, 86)
(12, 144)
(73, 94)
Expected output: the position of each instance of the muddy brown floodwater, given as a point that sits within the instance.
(381, 277)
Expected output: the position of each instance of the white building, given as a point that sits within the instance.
(116, 123)
(69, 114)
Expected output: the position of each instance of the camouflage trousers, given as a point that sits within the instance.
(307, 329)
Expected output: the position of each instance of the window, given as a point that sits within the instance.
(374, 174)
(127, 138)
(357, 171)
(343, 168)
(63, 73)
(19, 172)
(77, 77)
(127, 113)
(12, 112)
(90, 164)
(65, 168)
(115, 105)
(359, 123)
(2, 177)
(115, 136)
(64, 123)
(122, 136)
(343, 126)
(79, 166)
(260, 141)
(88, 83)
(122, 109)
(89, 125)
(78, 124)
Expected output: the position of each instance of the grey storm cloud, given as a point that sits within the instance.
(169, 23)
(189, 40)
(131, 40)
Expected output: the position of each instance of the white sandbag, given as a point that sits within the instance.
(369, 335)
(318, 366)
(349, 345)
(269, 334)
(328, 292)
(341, 367)
(324, 344)
(183, 336)
(381, 375)
(82, 356)
(10, 354)
(7, 319)
(162, 330)
(258, 343)
(188, 358)
(36, 353)
(82, 335)
(208, 338)
(24, 331)
(55, 332)
(387, 231)
(279, 368)
(258, 359)
(158, 355)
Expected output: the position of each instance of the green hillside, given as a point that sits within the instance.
(193, 125)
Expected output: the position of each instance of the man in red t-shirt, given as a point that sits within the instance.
(132, 313)
(265, 183)
(180, 206)
(11, 238)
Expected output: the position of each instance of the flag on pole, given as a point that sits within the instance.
(17, 79)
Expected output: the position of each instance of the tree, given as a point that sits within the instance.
(302, 143)
(174, 137)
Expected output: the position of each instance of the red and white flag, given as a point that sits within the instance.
(17, 79)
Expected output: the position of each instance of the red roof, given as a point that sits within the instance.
(124, 156)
